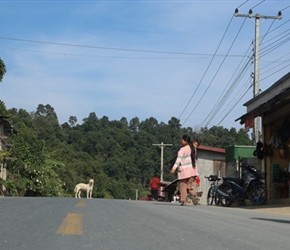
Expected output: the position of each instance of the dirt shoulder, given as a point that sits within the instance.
(283, 209)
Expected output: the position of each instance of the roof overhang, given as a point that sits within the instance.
(275, 97)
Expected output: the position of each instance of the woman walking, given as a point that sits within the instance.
(186, 171)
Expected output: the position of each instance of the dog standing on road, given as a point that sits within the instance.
(84, 187)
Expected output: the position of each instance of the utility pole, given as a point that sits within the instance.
(162, 146)
(256, 84)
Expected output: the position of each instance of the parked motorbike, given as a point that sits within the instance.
(249, 187)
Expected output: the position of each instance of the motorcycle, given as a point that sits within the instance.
(248, 188)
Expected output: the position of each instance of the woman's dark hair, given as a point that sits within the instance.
(193, 151)
(186, 138)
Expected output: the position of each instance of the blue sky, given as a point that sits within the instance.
(161, 59)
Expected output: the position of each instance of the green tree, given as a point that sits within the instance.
(3, 110)
(50, 159)
(2, 69)
(73, 120)
(134, 124)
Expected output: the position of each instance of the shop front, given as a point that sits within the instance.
(273, 106)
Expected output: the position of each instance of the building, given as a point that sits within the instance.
(273, 106)
(211, 161)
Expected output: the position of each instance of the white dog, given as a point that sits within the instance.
(84, 187)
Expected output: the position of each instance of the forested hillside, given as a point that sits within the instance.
(47, 158)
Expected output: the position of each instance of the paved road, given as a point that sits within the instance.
(68, 223)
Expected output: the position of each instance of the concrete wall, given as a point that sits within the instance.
(206, 167)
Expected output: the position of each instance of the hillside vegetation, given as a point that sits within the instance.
(47, 158)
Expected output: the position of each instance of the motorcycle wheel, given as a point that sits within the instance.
(258, 195)
(220, 199)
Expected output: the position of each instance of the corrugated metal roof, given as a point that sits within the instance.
(212, 149)
(275, 96)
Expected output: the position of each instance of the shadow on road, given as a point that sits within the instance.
(273, 220)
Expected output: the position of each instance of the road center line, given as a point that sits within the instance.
(72, 224)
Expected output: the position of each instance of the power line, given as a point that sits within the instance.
(234, 106)
(277, 60)
(275, 72)
(112, 48)
(258, 4)
(218, 106)
(275, 46)
(105, 57)
(243, 91)
(277, 37)
(229, 92)
(221, 103)
(221, 100)
(190, 99)
(243, 4)
(267, 31)
(278, 26)
(285, 8)
(215, 73)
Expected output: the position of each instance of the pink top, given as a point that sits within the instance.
(184, 164)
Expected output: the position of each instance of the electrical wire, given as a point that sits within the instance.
(230, 91)
(234, 106)
(261, 40)
(280, 44)
(265, 51)
(242, 4)
(257, 4)
(278, 27)
(275, 46)
(241, 93)
(277, 37)
(223, 97)
(215, 73)
(190, 99)
(285, 8)
(273, 62)
(275, 72)
(112, 48)
(98, 56)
